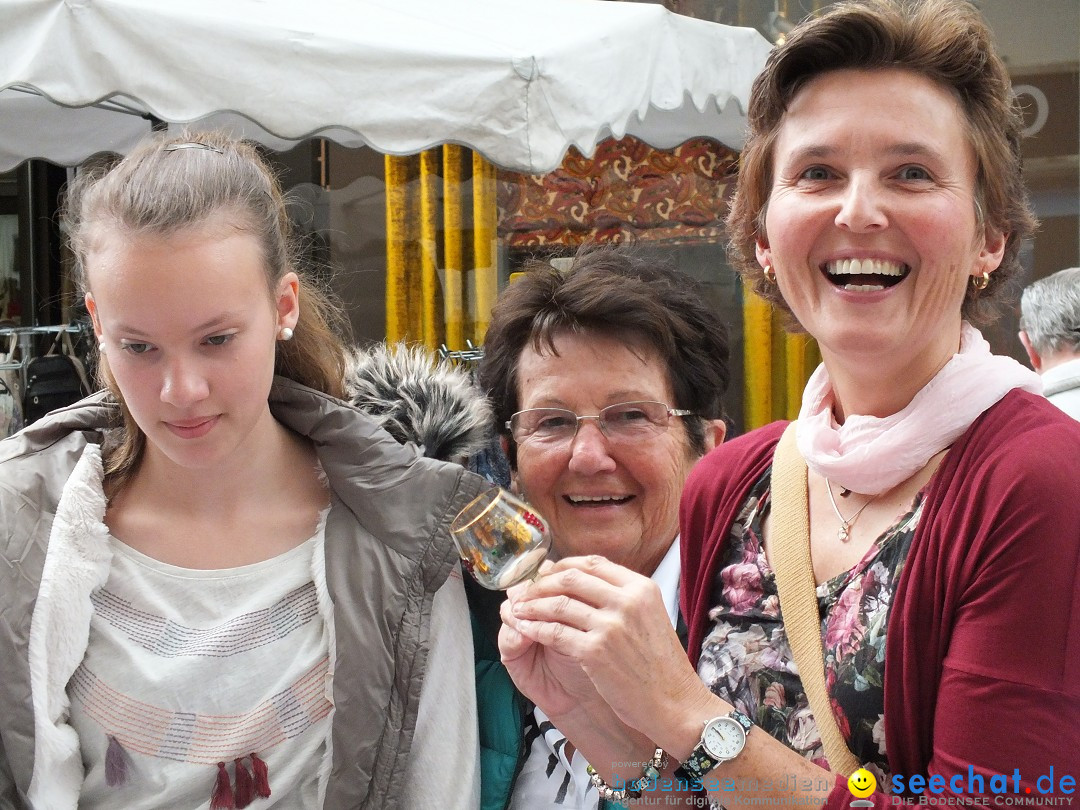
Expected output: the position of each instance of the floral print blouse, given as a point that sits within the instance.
(746, 659)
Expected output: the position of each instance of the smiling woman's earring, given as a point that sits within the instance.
(980, 282)
(770, 274)
(285, 333)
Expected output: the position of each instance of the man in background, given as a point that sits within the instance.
(1050, 332)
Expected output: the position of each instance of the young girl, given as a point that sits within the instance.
(222, 585)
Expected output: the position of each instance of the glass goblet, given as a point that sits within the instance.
(502, 540)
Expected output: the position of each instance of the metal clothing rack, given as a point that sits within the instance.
(471, 354)
(26, 342)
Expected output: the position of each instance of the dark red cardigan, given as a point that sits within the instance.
(982, 657)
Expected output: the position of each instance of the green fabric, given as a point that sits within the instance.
(500, 707)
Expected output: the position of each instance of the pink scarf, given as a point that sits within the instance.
(871, 455)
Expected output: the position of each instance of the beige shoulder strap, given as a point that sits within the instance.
(798, 599)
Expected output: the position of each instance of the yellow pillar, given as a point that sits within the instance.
(485, 220)
(797, 373)
(397, 246)
(779, 366)
(813, 357)
(745, 14)
(430, 299)
(453, 248)
(757, 360)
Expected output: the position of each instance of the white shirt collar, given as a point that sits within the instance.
(666, 576)
(1061, 373)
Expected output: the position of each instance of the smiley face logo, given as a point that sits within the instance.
(861, 783)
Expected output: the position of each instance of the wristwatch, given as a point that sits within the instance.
(723, 739)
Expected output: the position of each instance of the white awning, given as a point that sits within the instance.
(518, 80)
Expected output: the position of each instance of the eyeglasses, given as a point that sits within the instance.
(624, 422)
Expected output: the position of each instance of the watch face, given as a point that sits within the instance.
(724, 738)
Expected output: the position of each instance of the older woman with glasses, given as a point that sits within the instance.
(606, 381)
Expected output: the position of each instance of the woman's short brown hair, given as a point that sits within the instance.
(620, 292)
(946, 41)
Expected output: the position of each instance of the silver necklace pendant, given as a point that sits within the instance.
(844, 532)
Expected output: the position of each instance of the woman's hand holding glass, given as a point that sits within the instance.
(592, 637)
(502, 540)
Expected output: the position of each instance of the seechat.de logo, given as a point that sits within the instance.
(861, 784)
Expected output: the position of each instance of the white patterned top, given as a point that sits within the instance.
(186, 669)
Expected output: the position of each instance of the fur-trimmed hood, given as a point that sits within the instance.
(419, 399)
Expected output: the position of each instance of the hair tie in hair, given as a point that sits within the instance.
(172, 147)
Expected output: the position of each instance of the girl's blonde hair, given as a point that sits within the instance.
(169, 183)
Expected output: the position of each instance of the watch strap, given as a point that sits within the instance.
(695, 767)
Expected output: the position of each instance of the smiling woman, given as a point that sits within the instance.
(603, 490)
(606, 381)
(191, 625)
(871, 229)
(880, 204)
